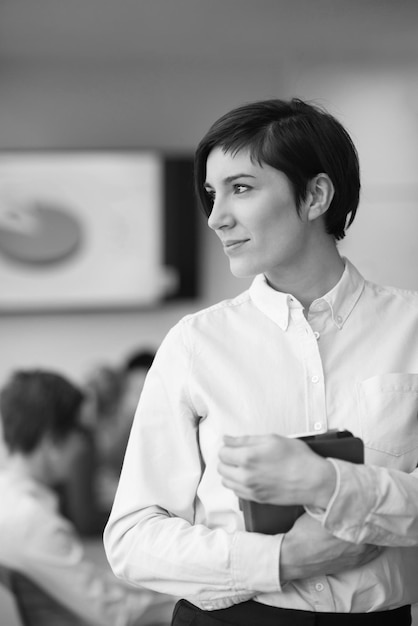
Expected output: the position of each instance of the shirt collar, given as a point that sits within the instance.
(339, 301)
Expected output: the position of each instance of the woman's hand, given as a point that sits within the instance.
(276, 470)
(309, 550)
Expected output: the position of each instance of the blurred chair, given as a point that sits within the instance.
(33, 605)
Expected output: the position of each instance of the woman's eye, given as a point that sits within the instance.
(238, 189)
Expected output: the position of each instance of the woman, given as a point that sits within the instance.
(279, 182)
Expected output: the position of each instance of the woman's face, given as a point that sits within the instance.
(255, 217)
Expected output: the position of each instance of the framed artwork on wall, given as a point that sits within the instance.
(88, 229)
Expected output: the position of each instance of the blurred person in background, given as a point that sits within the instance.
(133, 373)
(40, 414)
(77, 491)
(311, 346)
(114, 392)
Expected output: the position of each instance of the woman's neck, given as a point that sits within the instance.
(312, 276)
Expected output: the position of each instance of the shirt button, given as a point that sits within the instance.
(316, 334)
(339, 319)
(319, 587)
(317, 425)
(315, 379)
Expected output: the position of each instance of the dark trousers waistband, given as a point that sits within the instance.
(253, 613)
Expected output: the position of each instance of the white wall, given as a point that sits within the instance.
(170, 106)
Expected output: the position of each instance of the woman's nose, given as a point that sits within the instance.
(220, 216)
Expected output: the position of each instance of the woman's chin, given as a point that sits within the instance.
(239, 270)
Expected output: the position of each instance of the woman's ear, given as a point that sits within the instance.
(319, 196)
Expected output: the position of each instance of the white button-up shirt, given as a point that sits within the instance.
(257, 364)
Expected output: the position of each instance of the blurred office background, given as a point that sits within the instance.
(133, 75)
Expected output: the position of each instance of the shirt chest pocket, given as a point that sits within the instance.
(388, 411)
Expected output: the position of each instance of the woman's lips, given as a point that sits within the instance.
(233, 244)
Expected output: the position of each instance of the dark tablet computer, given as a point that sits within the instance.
(271, 519)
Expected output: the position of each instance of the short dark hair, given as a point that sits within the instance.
(299, 139)
(34, 403)
(142, 359)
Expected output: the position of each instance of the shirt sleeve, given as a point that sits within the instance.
(373, 505)
(152, 537)
(50, 554)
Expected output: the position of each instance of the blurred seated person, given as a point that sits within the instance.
(114, 393)
(78, 497)
(40, 413)
(134, 372)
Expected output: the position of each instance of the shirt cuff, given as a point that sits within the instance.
(320, 513)
(255, 561)
(347, 514)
